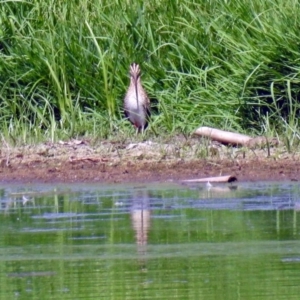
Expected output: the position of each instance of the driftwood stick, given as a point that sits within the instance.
(224, 179)
(225, 137)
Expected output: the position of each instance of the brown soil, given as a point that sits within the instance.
(79, 161)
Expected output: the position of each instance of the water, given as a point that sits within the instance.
(150, 242)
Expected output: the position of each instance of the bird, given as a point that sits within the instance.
(136, 101)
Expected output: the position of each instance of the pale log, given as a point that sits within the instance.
(225, 137)
(227, 178)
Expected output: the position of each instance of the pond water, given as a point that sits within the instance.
(160, 241)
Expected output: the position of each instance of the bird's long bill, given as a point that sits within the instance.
(136, 91)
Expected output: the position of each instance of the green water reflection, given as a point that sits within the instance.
(150, 242)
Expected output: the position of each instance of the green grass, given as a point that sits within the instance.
(233, 65)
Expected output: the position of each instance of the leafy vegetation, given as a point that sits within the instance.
(228, 64)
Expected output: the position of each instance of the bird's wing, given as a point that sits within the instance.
(147, 109)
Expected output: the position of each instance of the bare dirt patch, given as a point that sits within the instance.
(79, 161)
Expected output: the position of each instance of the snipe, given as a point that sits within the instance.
(136, 101)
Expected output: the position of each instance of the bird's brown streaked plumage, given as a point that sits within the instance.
(136, 101)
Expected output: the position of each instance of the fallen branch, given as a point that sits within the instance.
(235, 139)
(223, 179)
(224, 137)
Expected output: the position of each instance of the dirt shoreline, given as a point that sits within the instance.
(108, 162)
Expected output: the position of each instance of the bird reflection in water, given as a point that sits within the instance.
(140, 216)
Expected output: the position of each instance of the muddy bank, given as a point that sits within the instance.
(79, 161)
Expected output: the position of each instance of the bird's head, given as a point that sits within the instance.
(135, 72)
